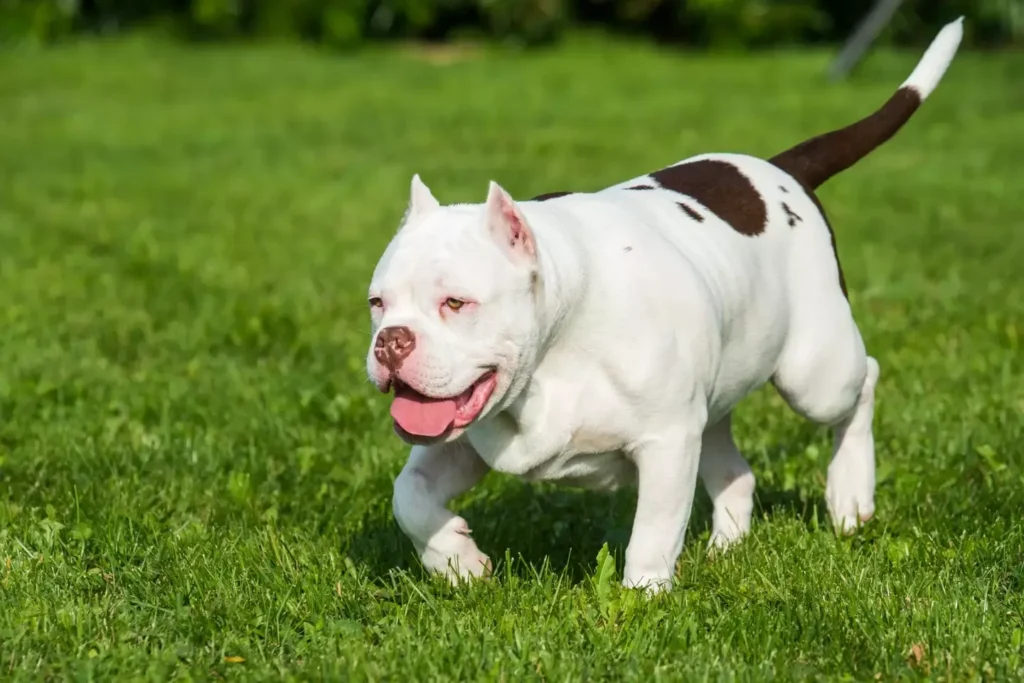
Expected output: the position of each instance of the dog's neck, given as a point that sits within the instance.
(561, 281)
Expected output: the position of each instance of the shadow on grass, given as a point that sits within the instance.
(543, 526)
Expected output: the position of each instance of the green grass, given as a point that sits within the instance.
(193, 466)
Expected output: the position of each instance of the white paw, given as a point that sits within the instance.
(727, 532)
(453, 553)
(650, 582)
(849, 513)
(723, 539)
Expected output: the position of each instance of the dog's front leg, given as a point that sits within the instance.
(667, 476)
(433, 476)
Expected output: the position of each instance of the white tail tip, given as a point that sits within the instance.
(928, 72)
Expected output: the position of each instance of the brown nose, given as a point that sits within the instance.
(394, 344)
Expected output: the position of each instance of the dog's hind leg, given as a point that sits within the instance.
(841, 396)
(729, 482)
(826, 376)
(850, 491)
(432, 476)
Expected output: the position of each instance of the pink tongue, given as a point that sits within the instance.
(420, 415)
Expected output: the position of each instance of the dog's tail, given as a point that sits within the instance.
(814, 161)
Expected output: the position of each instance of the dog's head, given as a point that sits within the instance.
(454, 313)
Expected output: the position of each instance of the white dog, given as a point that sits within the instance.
(603, 339)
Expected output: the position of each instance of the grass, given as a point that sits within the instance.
(194, 470)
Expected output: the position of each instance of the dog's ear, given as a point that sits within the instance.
(421, 200)
(508, 226)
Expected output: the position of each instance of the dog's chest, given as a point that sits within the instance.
(588, 460)
(598, 471)
(559, 435)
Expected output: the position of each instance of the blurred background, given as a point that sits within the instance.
(349, 23)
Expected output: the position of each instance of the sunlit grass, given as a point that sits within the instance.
(195, 472)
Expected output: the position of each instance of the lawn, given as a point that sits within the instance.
(195, 474)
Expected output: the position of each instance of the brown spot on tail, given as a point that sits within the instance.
(814, 161)
(722, 188)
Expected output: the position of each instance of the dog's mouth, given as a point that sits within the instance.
(425, 417)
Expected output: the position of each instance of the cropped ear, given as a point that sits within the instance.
(508, 226)
(421, 201)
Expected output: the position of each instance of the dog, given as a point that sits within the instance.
(602, 339)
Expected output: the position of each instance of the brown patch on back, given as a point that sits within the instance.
(690, 212)
(722, 188)
(640, 187)
(547, 196)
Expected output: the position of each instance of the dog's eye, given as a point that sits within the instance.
(376, 302)
(454, 304)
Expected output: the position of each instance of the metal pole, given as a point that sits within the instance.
(859, 42)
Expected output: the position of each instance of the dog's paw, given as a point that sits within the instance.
(723, 539)
(652, 586)
(453, 553)
(848, 515)
(850, 491)
(651, 582)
